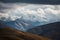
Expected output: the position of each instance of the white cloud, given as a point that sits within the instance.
(31, 12)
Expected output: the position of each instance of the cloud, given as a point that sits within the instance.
(30, 12)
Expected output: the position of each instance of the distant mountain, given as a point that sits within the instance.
(19, 24)
(51, 30)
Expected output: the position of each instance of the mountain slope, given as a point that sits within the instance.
(13, 34)
(50, 30)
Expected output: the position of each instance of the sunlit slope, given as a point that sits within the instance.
(12, 34)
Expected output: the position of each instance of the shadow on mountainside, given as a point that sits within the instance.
(50, 30)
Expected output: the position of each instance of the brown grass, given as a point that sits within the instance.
(12, 34)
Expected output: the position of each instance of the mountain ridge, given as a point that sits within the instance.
(50, 30)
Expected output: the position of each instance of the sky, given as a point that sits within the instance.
(33, 1)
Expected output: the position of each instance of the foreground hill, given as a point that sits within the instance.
(50, 30)
(13, 34)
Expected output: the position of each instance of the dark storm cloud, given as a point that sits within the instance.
(34, 1)
(4, 7)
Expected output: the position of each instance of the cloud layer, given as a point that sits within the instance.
(30, 12)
